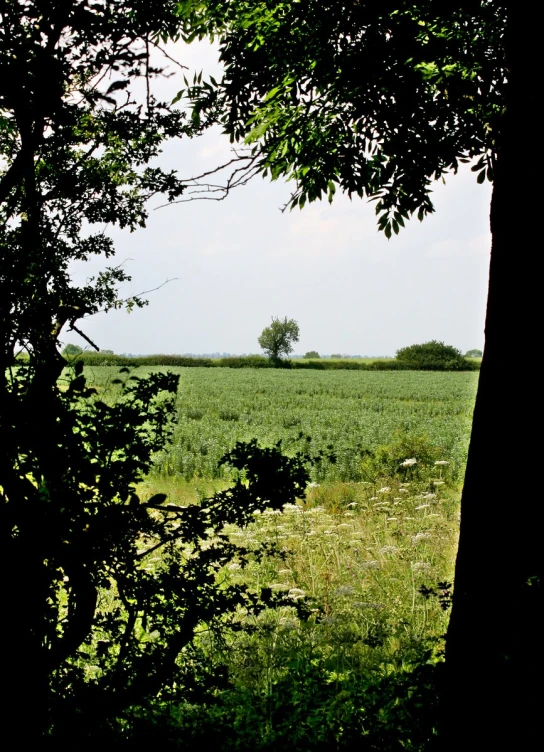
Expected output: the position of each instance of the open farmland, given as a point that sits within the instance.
(346, 412)
(358, 570)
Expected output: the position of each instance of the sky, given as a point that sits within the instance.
(224, 269)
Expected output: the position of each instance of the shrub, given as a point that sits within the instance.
(433, 356)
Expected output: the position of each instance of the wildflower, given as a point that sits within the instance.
(313, 485)
(344, 590)
(423, 506)
(421, 566)
(385, 489)
(441, 462)
(352, 504)
(409, 462)
(404, 490)
(296, 594)
(371, 564)
(389, 550)
(419, 537)
(391, 519)
(343, 526)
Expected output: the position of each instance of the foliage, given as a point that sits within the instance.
(278, 338)
(302, 89)
(92, 623)
(432, 356)
(312, 354)
(473, 353)
(366, 558)
(105, 358)
(71, 350)
(408, 456)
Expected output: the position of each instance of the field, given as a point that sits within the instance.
(368, 552)
(347, 412)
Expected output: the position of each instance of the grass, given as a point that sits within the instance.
(361, 565)
(371, 567)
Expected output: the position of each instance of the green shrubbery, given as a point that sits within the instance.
(434, 356)
(426, 359)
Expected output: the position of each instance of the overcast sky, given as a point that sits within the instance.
(235, 264)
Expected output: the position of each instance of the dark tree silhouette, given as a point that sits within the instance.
(94, 620)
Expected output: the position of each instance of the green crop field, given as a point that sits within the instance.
(345, 412)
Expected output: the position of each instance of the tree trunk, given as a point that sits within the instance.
(494, 640)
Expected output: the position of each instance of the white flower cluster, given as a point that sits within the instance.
(296, 593)
(409, 462)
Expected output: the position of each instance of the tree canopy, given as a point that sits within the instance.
(278, 338)
(302, 87)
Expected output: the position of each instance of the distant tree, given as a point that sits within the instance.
(338, 356)
(473, 354)
(312, 354)
(278, 338)
(71, 350)
(432, 356)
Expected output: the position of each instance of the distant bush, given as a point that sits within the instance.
(312, 354)
(434, 356)
(107, 359)
(244, 361)
(389, 365)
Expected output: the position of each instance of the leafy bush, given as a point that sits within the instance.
(406, 457)
(433, 356)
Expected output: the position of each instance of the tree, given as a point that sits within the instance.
(473, 354)
(380, 100)
(72, 350)
(278, 338)
(312, 354)
(91, 626)
(433, 356)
